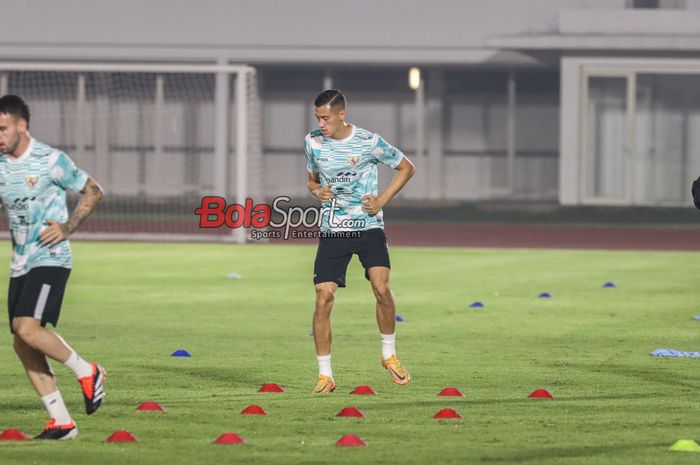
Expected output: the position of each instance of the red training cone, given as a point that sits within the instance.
(350, 440)
(272, 387)
(229, 438)
(13, 435)
(363, 391)
(451, 392)
(150, 407)
(253, 410)
(350, 412)
(121, 436)
(447, 413)
(540, 394)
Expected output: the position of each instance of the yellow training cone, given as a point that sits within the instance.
(685, 445)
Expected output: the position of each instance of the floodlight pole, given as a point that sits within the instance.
(420, 138)
(510, 133)
(328, 80)
(4, 79)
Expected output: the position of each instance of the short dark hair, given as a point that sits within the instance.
(331, 97)
(15, 106)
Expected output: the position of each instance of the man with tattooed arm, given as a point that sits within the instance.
(34, 179)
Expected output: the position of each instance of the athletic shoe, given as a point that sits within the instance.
(398, 372)
(93, 388)
(325, 385)
(59, 432)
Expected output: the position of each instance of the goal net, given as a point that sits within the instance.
(156, 138)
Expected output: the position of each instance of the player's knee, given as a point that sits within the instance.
(24, 331)
(382, 292)
(324, 298)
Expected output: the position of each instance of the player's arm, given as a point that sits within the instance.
(324, 194)
(404, 172)
(57, 232)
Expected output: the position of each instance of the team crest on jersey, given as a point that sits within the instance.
(353, 160)
(31, 181)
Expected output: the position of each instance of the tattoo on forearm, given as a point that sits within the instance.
(92, 194)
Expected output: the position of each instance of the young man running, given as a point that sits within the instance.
(33, 182)
(341, 160)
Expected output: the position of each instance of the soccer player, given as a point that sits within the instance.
(33, 182)
(341, 160)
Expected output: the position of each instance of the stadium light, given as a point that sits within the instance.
(414, 80)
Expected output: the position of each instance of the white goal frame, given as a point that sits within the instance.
(222, 72)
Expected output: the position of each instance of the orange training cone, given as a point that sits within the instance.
(447, 414)
(350, 440)
(229, 438)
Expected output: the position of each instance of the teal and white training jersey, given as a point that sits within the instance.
(350, 167)
(33, 190)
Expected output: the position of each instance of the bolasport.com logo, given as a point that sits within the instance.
(213, 212)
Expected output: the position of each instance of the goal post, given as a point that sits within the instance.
(157, 137)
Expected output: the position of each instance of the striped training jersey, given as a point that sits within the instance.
(350, 167)
(33, 190)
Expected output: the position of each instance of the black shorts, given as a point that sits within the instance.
(334, 254)
(38, 294)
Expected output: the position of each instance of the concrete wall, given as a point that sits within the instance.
(279, 31)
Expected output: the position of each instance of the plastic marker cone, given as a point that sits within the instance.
(233, 276)
(350, 412)
(697, 317)
(350, 440)
(151, 407)
(271, 387)
(13, 435)
(451, 392)
(609, 284)
(545, 295)
(121, 436)
(399, 318)
(180, 353)
(477, 305)
(253, 410)
(229, 438)
(363, 391)
(685, 445)
(447, 414)
(540, 394)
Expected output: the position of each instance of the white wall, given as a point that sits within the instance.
(277, 30)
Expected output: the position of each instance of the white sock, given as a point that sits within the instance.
(324, 365)
(57, 408)
(388, 345)
(80, 367)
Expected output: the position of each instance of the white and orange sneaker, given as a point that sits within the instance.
(325, 385)
(58, 432)
(93, 387)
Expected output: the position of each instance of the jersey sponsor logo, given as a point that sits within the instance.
(20, 205)
(342, 177)
(353, 160)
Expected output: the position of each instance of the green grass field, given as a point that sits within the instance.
(129, 306)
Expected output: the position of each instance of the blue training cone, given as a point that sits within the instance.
(545, 295)
(180, 353)
(477, 304)
(697, 317)
(399, 318)
(609, 284)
